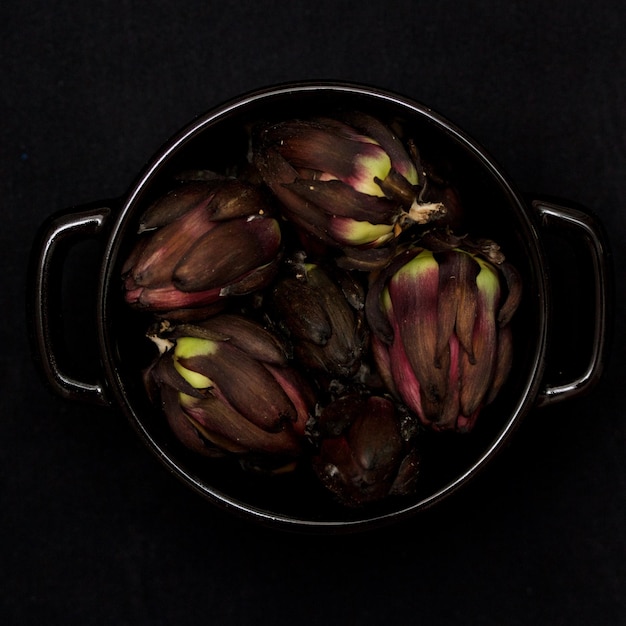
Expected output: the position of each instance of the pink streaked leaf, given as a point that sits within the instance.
(404, 378)
(375, 309)
(476, 378)
(298, 391)
(170, 298)
(403, 374)
(414, 291)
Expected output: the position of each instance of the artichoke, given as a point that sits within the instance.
(349, 183)
(322, 312)
(441, 333)
(364, 454)
(226, 388)
(203, 241)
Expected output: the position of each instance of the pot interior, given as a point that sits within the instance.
(219, 142)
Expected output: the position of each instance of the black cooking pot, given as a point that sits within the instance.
(217, 141)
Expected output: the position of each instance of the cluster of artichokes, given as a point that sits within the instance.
(320, 311)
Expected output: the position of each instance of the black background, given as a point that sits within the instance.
(93, 529)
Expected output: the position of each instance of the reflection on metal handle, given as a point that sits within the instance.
(45, 283)
(596, 243)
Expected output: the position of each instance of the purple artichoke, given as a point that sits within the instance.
(441, 334)
(364, 456)
(204, 241)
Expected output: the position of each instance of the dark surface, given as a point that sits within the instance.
(94, 531)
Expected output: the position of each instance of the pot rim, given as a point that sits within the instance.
(213, 116)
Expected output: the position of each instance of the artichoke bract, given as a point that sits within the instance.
(441, 334)
(364, 456)
(323, 314)
(349, 182)
(226, 388)
(200, 243)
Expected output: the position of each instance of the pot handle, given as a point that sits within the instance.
(596, 244)
(50, 248)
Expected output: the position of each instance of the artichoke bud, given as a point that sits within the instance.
(225, 385)
(441, 339)
(322, 311)
(350, 182)
(363, 456)
(200, 243)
